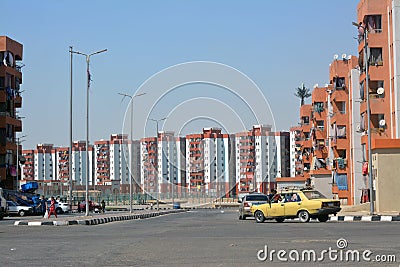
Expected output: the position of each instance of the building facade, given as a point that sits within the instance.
(10, 102)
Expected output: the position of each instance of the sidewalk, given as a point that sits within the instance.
(95, 219)
(362, 213)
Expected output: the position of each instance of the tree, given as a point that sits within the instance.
(302, 93)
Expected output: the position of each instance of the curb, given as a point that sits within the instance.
(96, 221)
(373, 218)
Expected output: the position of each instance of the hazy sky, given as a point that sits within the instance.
(275, 45)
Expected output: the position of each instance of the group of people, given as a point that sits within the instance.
(276, 197)
(46, 208)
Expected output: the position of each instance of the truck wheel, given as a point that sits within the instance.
(21, 213)
(59, 210)
(304, 216)
(323, 218)
(259, 216)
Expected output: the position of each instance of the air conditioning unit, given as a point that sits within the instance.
(380, 91)
(382, 123)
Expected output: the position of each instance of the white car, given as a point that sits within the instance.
(61, 207)
(15, 208)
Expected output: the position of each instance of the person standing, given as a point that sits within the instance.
(52, 209)
(103, 206)
(43, 205)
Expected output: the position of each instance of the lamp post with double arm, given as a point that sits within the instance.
(131, 157)
(366, 63)
(158, 193)
(87, 121)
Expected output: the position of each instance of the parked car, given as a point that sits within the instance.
(61, 207)
(92, 206)
(17, 209)
(305, 204)
(247, 201)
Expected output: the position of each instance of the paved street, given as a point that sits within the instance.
(194, 238)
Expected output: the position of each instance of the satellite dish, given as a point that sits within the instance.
(336, 56)
(344, 56)
(382, 123)
(349, 57)
(315, 85)
(358, 128)
(380, 91)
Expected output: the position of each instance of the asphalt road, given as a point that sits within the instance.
(194, 238)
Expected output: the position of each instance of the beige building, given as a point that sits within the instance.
(385, 156)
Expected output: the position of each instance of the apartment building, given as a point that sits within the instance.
(207, 162)
(380, 20)
(261, 157)
(216, 162)
(118, 159)
(171, 163)
(10, 102)
(149, 165)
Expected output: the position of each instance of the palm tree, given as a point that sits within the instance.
(302, 93)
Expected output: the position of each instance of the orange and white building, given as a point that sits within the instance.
(11, 100)
(261, 156)
(207, 162)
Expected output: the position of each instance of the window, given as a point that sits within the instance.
(376, 89)
(374, 23)
(375, 57)
(320, 125)
(339, 83)
(319, 107)
(341, 105)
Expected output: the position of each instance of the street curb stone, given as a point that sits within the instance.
(373, 218)
(97, 221)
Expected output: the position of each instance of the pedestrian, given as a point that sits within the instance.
(103, 206)
(79, 207)
(42, 205)
(52, 209)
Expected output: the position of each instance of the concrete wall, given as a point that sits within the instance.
(387, 179)
(323, 183)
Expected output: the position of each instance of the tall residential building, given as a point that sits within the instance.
(261, 156)
(10, 101)
(102, 171)
(44, 163)
(207, 162)
(119, 160)
(171, 163)
(380, 19)
(79, 165)
(149, 164)
(114, 160)
(216, 162)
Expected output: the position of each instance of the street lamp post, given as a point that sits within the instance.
(366, 62)
(87, 122)
(70, 132)
(130, 163)
(157, 121)
(19, 141)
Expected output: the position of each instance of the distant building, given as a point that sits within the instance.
(261, 156)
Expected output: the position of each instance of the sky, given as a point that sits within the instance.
(227, 64)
